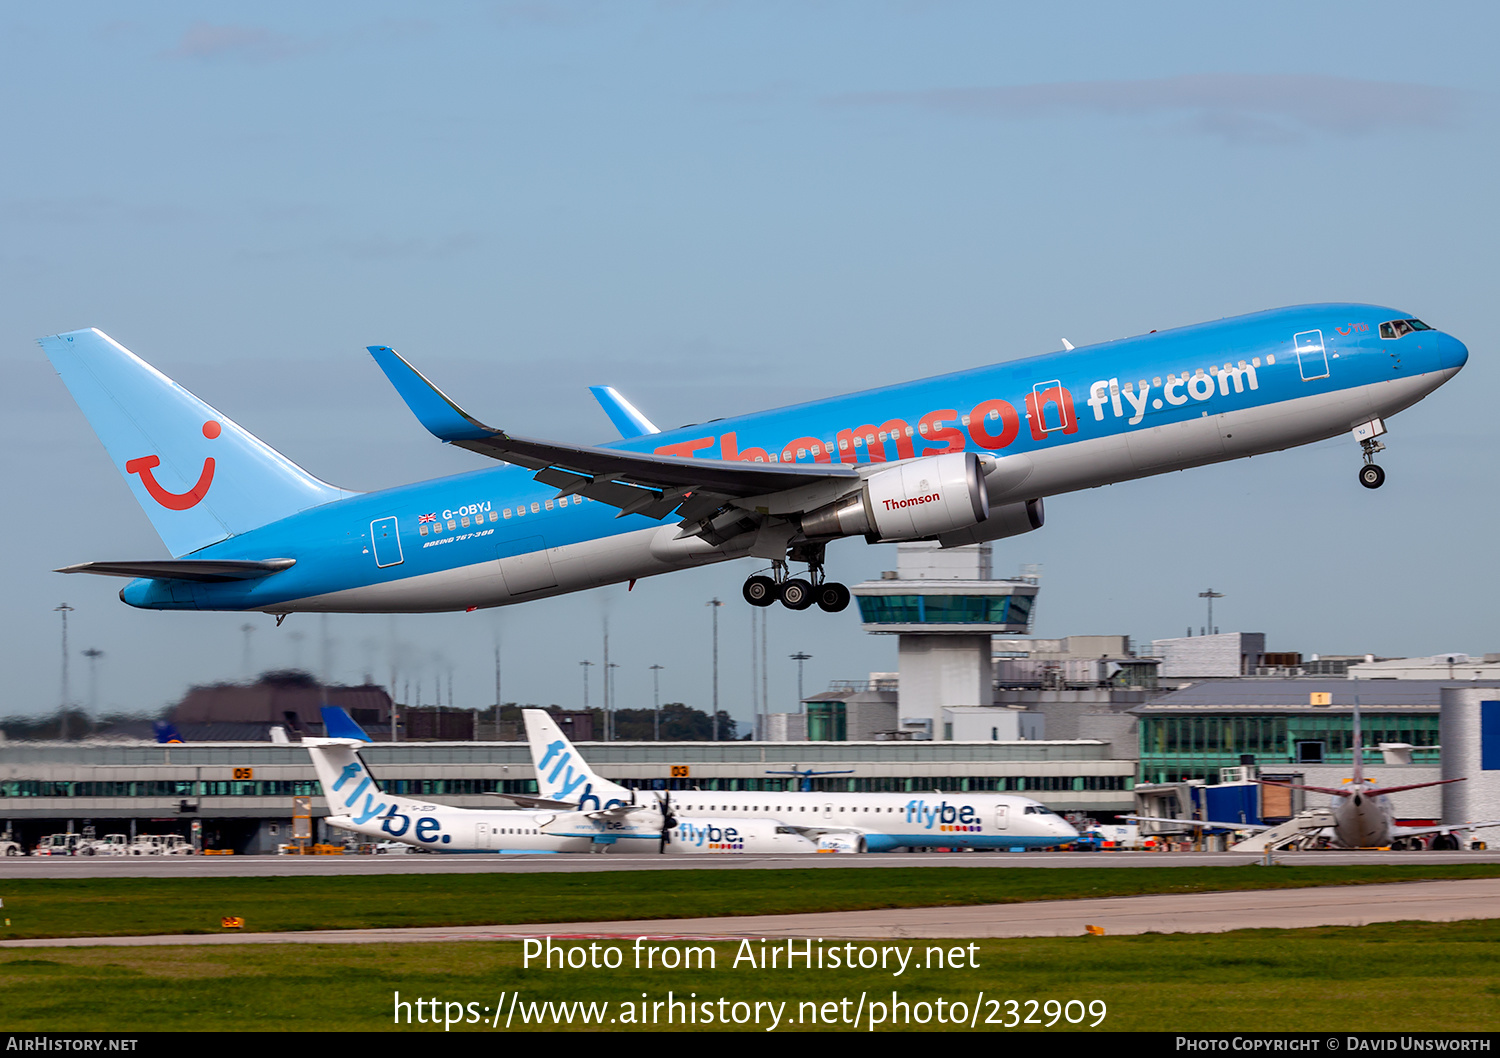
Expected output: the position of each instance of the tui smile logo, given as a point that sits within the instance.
(176, 501)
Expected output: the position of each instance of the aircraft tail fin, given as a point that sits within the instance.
(1359, 747)
(337, 723)
(561, 773)
(199, 476)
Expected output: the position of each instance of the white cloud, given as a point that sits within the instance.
(1242, 107)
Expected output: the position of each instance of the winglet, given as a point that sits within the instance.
(337, 723)
(432, 407)
(625, 415)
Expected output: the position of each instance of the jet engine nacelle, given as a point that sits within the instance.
(841, 842)
(1010, 519)
(915, 500)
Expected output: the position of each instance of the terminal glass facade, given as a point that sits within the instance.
(945, 609)
(1179, 747)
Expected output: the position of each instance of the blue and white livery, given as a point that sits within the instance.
(837, 822)
(356, 803)
(960, 458)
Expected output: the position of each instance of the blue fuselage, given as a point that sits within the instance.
(1055, 423)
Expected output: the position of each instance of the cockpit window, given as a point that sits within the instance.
(1396, 328)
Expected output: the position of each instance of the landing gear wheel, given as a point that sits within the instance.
(832, 596)
(796, 595)
(759, 591)
(1371, 476)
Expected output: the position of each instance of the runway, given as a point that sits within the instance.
(305, 866)
(1443, 901)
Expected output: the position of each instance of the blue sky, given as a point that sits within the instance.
(721, 207)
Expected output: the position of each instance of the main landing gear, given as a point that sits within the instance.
(796, 593)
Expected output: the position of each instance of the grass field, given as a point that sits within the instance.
(135, 906)
(1389, 977)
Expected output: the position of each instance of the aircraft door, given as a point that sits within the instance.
(1047, 404)
(1312, 357)
(385, 542)
(1002, 817)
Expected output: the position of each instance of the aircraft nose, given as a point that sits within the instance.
(1452, 353)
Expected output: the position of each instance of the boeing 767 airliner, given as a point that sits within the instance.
(960, 458)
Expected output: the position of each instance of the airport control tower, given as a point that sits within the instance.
(945, 606)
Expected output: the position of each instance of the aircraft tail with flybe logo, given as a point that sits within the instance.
(561, 773)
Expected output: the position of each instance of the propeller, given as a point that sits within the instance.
(668, 820)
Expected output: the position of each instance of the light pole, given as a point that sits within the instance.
(93, 654)
(248, 665)
(609, 688)
(586, 666)
(799, 658)
(714, 605)
(1211, 595)
(62, 713)
(497, 686)
(656, 702)
(609, 717)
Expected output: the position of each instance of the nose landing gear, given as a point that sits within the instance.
(1370, 475)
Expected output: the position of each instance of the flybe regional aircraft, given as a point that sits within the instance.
(838, 822)
(357, 803)
(960, 459)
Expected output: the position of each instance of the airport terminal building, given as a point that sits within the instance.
(240, 793)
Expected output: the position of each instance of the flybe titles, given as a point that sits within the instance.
(716, 838)
(948, 817)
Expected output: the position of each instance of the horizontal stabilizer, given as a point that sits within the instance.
(1381, 791)
(1332, 791)
(198, 569)
(1207, 824)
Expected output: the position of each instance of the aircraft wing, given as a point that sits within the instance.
(635, 482)
(527, 801)
(1411, 832)
(616, 813)
(198, 569)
